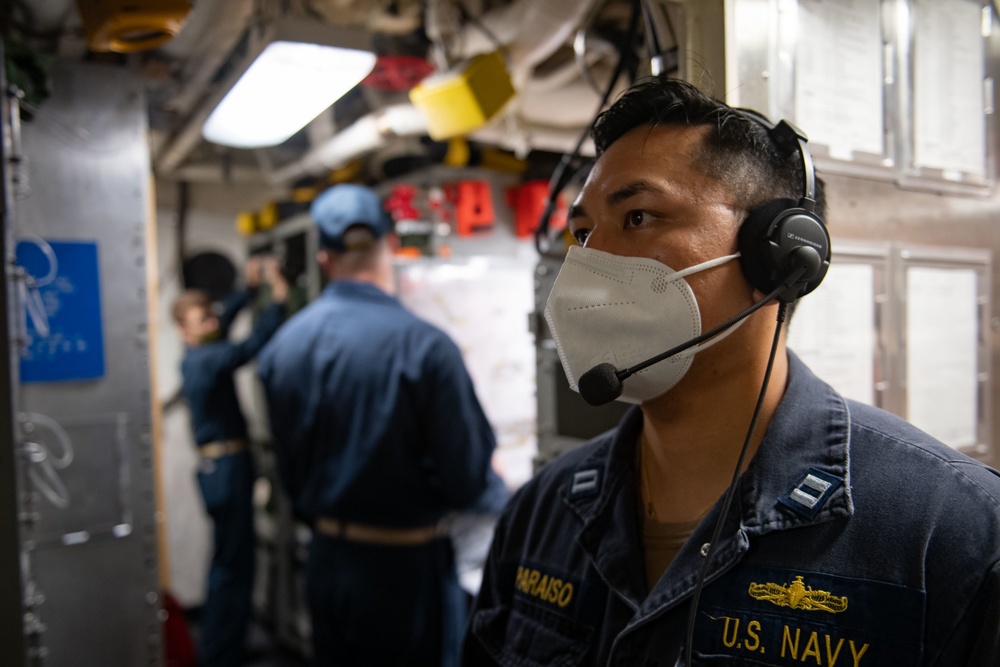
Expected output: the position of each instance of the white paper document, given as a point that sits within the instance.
(942, 343)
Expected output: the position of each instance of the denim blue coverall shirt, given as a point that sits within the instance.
(226, 483)
(375, 421)
(854, 539)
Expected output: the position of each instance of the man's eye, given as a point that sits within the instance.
(581, 235)
(635, 218)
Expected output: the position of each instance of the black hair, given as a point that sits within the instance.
(737, 150)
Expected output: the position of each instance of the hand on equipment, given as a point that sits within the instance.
(274, 278)
(253, 271)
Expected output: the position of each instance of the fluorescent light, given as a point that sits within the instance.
(288, 85)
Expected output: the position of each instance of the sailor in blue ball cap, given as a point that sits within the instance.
(350, 207)
(378, 436)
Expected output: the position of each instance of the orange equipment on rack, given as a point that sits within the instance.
(528, 201)
(473, 206)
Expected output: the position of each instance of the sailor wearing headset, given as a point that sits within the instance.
(850, 537)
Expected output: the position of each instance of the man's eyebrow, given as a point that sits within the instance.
(630, 190)
(618, 196)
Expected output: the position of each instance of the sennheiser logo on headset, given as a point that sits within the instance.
(799, 238)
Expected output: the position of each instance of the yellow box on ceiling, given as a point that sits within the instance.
(456, 103)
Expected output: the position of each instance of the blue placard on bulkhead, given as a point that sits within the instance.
(61, 307)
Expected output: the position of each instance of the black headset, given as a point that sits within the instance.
(781, 237)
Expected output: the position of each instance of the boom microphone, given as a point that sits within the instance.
(603, 383)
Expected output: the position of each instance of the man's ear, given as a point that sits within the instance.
(325, 259)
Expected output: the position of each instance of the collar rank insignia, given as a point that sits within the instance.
(585, 483)
(798, 596)
(811, 492)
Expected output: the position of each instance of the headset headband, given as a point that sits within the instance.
(788, 138)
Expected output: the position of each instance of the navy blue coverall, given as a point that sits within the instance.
(854, 540)
(226, 483)
(375, 421)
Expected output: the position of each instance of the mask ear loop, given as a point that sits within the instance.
(704, 266)
(719, 337)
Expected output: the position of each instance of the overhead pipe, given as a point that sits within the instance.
(598, 52)
(213, 172)
(532, 29)
(367, 134)
(537, 136)
(229, 19)
(210, 47)
(374, 132)
(182, 143)
(535, 29)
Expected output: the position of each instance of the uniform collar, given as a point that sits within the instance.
(601, 491)
(356, 289)
(809, 434)
(609, 466)
(801, 472)
(799, 476)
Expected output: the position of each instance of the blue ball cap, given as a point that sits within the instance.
(343, 206)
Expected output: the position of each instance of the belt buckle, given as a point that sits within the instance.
(207, 466)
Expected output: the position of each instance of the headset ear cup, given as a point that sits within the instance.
(779, 238)
(756, 258)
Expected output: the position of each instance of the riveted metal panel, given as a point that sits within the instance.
(12, 594)
(92, 541)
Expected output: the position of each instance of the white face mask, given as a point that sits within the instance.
(624, 310)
